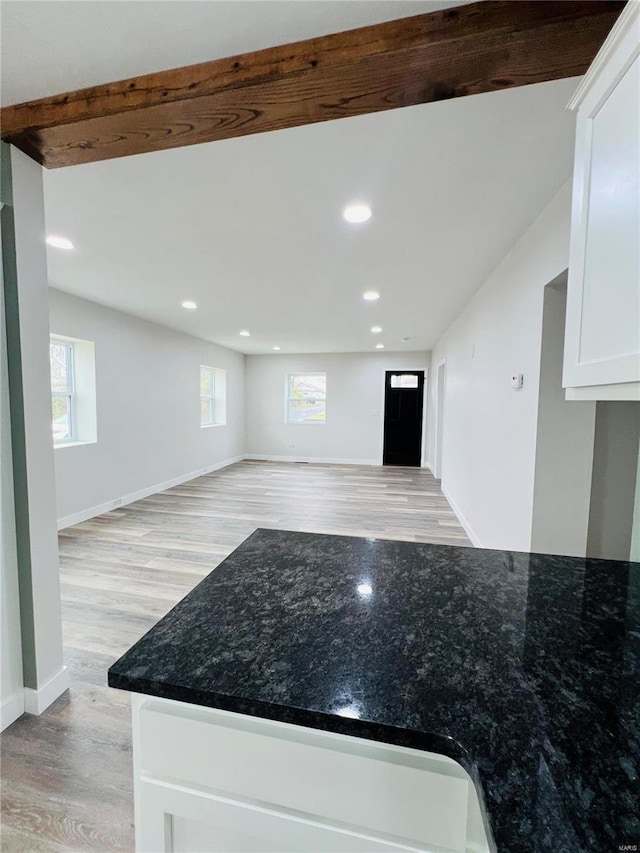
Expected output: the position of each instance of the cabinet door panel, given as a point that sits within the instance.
(611, 296)
(602, 343)
(383, 790)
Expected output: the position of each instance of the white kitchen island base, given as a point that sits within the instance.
(208, 781)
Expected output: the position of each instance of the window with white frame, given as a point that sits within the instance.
(213, 396)
(73, 391)
(62, 390)
(306, 398)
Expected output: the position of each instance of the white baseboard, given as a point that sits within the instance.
(463, 521)
(317, 460)
(37, 701)
(91, 512)
(10, 709)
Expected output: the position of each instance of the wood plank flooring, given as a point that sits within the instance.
(67, 775)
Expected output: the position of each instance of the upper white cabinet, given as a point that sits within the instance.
(602, 343)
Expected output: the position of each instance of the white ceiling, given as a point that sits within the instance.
(251, 228)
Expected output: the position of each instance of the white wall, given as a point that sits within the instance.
(355, 405)
(148, 409)
(490, 430)
(564, 444)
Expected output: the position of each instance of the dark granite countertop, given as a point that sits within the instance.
(524, 668)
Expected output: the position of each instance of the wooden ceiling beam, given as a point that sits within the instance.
(480, 47)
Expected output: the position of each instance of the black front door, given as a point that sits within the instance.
(403, 417)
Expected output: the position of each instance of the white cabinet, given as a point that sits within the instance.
(218, 781)
(602, 342)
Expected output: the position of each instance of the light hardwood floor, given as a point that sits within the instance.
(67, 775)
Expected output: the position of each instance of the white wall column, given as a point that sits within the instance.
(635, 536)
(11, 679)
(564, 443)
(613, 485)
(27, 327)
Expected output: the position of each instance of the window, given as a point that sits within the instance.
(306, 398)
(62, 390)
(73, 391)
(207, 395)
(404, 380)
(213, 396)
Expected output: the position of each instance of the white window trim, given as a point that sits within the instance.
(72, 442)
(287, 398)
(70, 394)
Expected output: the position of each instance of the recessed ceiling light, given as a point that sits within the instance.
(59, 242)
(189, 304)
(371, 295)
(404, 340)
(277, 349)
(357, 213)
(379, 346)
(245, 334)
(376, 329)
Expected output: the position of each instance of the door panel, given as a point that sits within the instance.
(403, 401)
